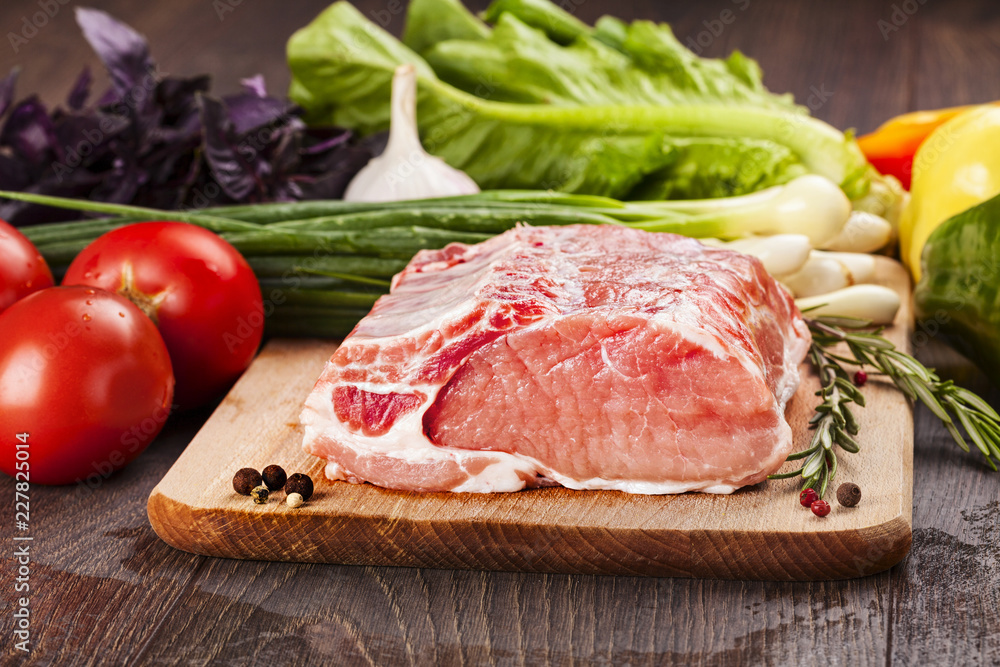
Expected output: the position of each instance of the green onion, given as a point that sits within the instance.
(322, 264)
(212, 222)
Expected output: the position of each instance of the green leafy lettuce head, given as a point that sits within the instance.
(543, 101)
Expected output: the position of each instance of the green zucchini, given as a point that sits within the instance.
(959, 290)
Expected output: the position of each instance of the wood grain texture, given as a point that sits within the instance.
(252, 613)
(946, 602)
(94, 555)
(756, 533)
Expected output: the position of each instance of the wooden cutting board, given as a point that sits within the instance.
(756, 533)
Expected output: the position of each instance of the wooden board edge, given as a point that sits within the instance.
(846, 554)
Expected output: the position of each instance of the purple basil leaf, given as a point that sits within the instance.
(170, 165)
(86, 138)
(13, 175)
(275, 165)
(30, 133)
(82, 139)
(328, 186)
(108, 98)
(287, 191)
(163, 142)
(7, 89)
(222, 151)
(78, 184)
(328, 140)
(122, 50)
(376, 143)
(203, 191)
(186, 130)
(255, 85)
(247, 111)
(96, 129)
(120, 184)
(176, 96)
(81, 90)
(327, 176)
(170, 169)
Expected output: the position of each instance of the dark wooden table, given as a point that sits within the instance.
(106, 590)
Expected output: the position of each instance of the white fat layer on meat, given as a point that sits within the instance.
(407, 441)
(501, 475)
(450, 298)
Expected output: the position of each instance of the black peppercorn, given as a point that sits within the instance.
(275, 477)
(849, 494)
(245, 480)
(300, 484)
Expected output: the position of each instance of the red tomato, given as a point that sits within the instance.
(22, 268)
(85, 385)
(198, 289)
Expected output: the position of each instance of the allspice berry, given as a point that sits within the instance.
(245, 480)
(849, 494)
(259, 495)
(300, 484)
(293, 500)
(274, 477)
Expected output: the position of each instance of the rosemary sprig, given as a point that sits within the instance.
(834, 424)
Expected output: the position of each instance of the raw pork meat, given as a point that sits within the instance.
(595, 357)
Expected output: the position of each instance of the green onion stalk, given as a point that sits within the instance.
(322, 264)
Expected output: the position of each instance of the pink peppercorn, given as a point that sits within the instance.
(820, 508)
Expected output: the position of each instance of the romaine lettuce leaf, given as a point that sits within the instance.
(544, 101)
(709, 168)
(430, 23)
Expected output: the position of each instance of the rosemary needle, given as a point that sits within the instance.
(833, 423)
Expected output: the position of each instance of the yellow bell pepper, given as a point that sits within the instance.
(955, 168)
(891, 147)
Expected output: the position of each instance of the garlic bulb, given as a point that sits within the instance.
(405, 170)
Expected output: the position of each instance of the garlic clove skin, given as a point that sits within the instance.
(420, 176)
(781, 254)
(829, 271)
(405, 170)
(820, 275)
(864, 232)
(867, 302)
